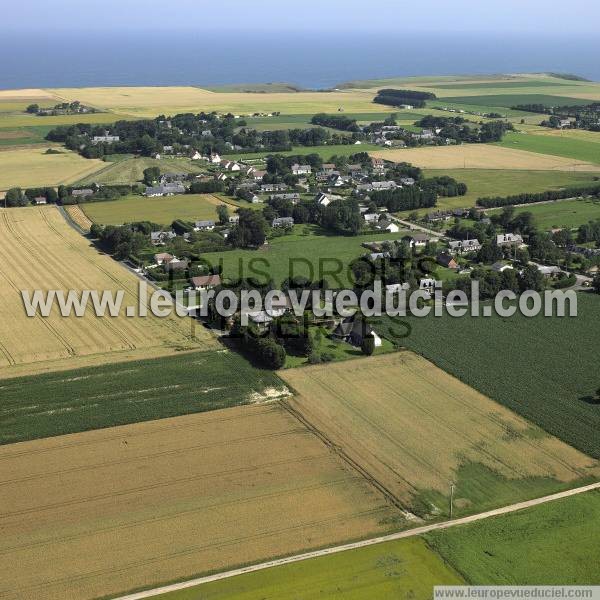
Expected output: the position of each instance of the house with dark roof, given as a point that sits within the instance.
(353, 331)
(283, 222)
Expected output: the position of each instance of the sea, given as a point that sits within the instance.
(309, 60)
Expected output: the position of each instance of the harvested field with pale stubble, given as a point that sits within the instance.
(416, 430)
(42, 252)
(483, 156)
(101, 513)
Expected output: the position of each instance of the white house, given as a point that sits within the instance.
(326, 199)
(388, 226)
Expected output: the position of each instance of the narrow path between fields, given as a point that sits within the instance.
(370, 542)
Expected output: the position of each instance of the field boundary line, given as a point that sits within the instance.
(362, 544)
(340, 452)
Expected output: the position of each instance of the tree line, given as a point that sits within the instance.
(532, 197)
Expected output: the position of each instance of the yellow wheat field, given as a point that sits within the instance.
(152, 101)
(482, 156)
(41, 251)
(97, 514)
(79, 217)
(413, 427)
(32, 167)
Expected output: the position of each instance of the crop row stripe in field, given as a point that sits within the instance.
(173, 452)
(203, 547)
(169, 323)
(22, 243)
(57, 271)
(175, 427)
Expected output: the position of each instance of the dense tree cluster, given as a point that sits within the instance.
(460, 130)
(531, 197)
(185, 133)
(393, 97)
(405, 198)
(335, 122)
(250, 231)
(444, 186)
(590, 232)
(125, 240)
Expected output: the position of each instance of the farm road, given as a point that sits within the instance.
(370, 542)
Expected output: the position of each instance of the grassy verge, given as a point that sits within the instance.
(552, 544)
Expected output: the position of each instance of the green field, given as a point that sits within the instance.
(188, 207)
(545, 369)
(563, 214)
(307, 244)
(482, 183)
(325, 152)
(497, 85)
(403, 570)
(554, 145)
(509, 100)
(97, 397)
(129, 170)
(557, 543)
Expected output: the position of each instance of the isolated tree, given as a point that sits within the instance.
(531, 279)
(273, 355)
(368, 344)
(151, 174)
(33, 109)
(223, 214)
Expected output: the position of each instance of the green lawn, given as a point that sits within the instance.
(545, 369)
(563, 214)
(509, 100)
(128, 170)
(299, 254)
(496, 182)
(497, 85)
(552, 544)
(188, 207)
(577, 149)
(97, 397)
(403, 570)
(336, 349)
(325, 152)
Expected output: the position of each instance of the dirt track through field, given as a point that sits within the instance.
(93, 514)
